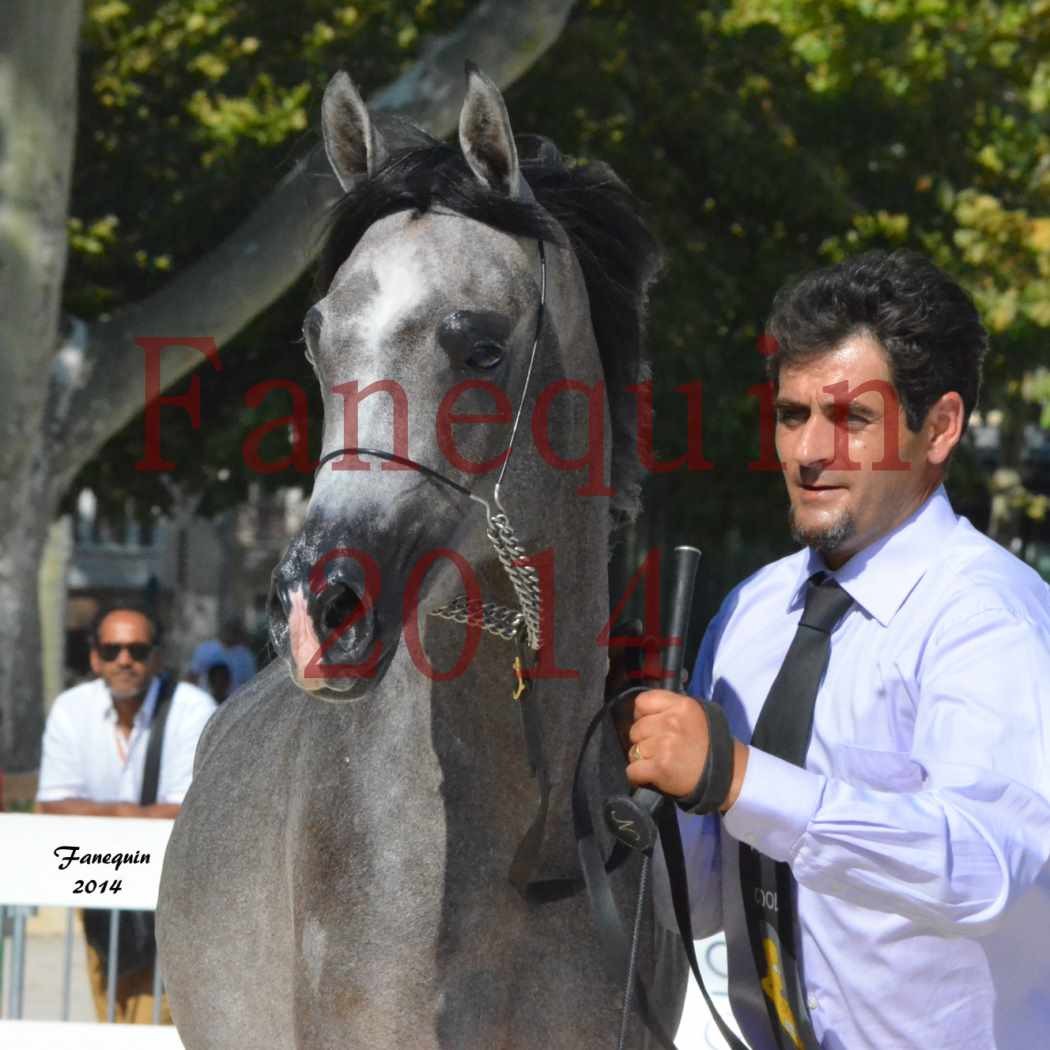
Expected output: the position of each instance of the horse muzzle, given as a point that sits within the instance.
(324, 622)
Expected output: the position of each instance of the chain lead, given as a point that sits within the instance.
(496, 619)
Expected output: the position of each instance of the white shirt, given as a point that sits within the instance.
(919, 830)
(81, 758)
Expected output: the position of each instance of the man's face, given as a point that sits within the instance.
(120, 657)
(847, 484)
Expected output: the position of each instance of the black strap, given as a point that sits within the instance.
(612, 934)
(151, 770)
(716, 777)
(616, 953)
(430, 472)
(526, 857)
(671, 841)
(524, 867)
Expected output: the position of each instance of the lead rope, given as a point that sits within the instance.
(632, 961)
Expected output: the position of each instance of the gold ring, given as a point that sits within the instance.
(634, 754)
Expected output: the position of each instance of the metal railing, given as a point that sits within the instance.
(56, 861)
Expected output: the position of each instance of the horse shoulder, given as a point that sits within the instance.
(255, 707)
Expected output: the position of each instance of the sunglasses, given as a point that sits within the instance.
(138, 651)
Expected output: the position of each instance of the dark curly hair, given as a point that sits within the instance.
(928, 326)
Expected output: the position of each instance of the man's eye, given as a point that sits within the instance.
(485, 355)
(789, 417)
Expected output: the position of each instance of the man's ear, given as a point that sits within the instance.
(944, 427)
(96, 662)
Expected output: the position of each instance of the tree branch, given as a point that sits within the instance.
(218, 295)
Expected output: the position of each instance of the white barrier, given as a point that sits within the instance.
(33, 849)
(67, 1035)
(51, 860)
(75, 862)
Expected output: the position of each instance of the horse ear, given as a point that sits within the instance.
(354, 146)
(485, 135)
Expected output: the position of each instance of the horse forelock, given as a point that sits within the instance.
(585, 205)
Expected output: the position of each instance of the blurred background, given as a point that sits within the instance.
(764, 137)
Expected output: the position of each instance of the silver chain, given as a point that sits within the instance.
(490, 617)
(496, 619)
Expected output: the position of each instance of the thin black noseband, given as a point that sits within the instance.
(394, 458)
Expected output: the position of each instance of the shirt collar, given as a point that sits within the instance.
(882, 575)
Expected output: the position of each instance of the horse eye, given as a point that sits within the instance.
(485, 355)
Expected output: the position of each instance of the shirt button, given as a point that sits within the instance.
(811, 1002)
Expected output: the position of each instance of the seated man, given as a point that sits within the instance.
(94, 756)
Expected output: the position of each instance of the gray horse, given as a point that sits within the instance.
(370, 871)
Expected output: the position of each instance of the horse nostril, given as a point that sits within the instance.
(337, 604)
(279, 604)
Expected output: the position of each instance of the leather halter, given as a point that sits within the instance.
(495, 619)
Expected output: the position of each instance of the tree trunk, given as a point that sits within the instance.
(24, 514)
(60, 403)
(54, 571)
(38, 52)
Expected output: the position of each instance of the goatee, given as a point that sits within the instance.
(827, 538)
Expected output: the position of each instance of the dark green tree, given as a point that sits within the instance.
(771, 136)
(191, 112)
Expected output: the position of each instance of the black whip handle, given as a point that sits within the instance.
(683, 582)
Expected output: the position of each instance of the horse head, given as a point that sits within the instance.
(464, 374)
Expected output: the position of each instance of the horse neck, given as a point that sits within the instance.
(475, 724)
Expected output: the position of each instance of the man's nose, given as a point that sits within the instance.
(816, 442)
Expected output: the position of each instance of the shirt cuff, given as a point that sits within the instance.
(777, 800)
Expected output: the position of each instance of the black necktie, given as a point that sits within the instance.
(783, 729)
(786, 721)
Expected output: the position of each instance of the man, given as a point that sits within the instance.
(94, 755)
(877, 855)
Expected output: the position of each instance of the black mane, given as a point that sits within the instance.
(617, 254)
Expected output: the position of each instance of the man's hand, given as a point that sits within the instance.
(669, 739)
(669, 742)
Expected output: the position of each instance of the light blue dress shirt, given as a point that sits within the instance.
(919, 830)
